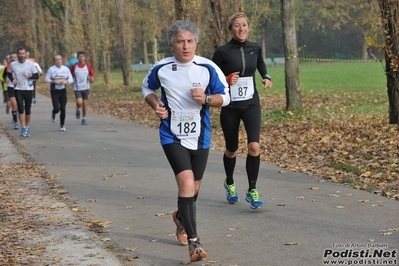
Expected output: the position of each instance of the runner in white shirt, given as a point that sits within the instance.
(189, 85)
(39, 69)
(58, 76)
(22, 73)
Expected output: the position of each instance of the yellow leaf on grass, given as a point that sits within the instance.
(334, 179)
(366, 174)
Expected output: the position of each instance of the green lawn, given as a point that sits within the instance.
(348, 87)
(313, 77)
(333, 76)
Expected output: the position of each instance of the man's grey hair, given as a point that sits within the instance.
(182, 26)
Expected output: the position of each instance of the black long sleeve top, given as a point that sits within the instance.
(244, 57)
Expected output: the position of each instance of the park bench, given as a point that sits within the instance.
(279, 60)
(343, 55)
(268, 61)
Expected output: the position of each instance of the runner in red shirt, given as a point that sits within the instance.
(83, 75)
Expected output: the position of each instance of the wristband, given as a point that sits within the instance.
(266, 76)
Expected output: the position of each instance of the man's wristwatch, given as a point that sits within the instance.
(208, 99)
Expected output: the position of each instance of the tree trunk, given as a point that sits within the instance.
(145, 53)
(221, 10)
(124, 44)
(179, 11)
(390, 17)
(218, 28)
(155, 51)
(88, 24)
(292, 86)
(104, 44)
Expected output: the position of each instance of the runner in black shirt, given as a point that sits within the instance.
(239, 59)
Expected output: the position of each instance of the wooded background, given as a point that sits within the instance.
(117, 33)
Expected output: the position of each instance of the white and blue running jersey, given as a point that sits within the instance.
(188, 122)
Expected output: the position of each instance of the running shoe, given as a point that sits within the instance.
(52, 117)
(27, 132)
(62, 128)
(16, 125)
(181, 235)
(231, 193)
(23, 132)
(77, 113)
(253, 198)
(196, 251)
(84, 121)
(7, 110)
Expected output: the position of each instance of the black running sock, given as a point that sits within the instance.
(14, 116)
(177, 212)
(252, 166)
(229, 165)
(187, 214)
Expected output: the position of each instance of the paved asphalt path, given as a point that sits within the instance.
(121, 169)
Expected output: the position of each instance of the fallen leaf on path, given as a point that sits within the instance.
(291, 243)
(131, 258)
(91, 200)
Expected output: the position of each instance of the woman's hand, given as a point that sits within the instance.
(267, 84)
(233, 78)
